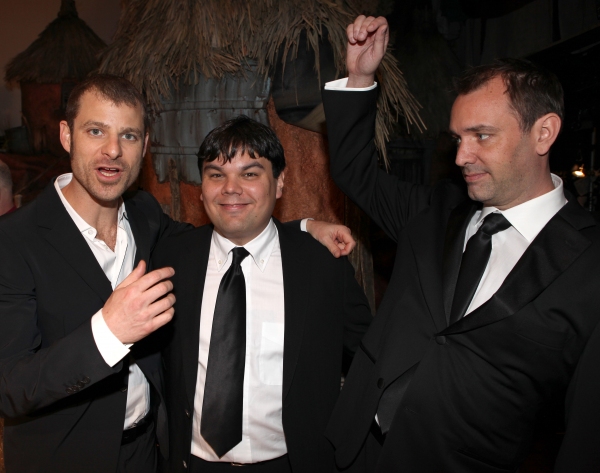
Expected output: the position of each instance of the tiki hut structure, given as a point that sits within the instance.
(63, 54)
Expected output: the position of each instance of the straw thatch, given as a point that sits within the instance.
(67, 48)
(158, 42)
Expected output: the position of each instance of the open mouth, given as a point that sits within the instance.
(109, 172)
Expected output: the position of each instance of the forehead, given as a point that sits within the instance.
(490, 104)
(240, 160)
(95, 106)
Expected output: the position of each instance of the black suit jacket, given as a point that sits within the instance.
(483, 383)
(325, 313)
(64, 406)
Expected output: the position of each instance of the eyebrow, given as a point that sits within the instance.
(130, 129)
(477, 129)
(215, 167)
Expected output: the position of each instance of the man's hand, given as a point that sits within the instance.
(367, 41)
(336, 238)
(137, 307)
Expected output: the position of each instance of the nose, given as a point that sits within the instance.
(112, 147)
(231, 186)
(464, 155)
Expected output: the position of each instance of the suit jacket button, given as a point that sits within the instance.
(187, 413)
(380, 383)
(440, 340)
(184, 464)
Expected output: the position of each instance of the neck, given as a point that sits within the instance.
(100, 215)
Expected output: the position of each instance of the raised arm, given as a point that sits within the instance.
(368, 38)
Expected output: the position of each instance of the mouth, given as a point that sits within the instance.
(109, 172)
(473, 177)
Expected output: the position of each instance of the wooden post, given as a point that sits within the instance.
(175, 191)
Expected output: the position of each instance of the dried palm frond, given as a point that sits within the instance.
(67, 48)
(158, 42)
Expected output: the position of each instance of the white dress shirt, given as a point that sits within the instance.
(527, 220)
(262, 428)
(116, 265)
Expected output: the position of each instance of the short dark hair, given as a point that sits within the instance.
(116, 89)
(533, 91)
(242, 135)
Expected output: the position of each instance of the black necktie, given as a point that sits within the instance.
(221, 424)
(473, 264)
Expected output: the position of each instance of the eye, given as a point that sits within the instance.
(456, 140)
(130, 137)
(250, 174)
(95, 132)
(483, 136)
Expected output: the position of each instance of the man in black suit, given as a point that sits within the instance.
(300, 310)
(468, 351)
(81, 394)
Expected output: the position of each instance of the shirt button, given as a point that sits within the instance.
(220, 262)
(90, 232)
(440, 340)
(262, 261)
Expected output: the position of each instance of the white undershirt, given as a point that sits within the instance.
(262, 428)
(116, 265)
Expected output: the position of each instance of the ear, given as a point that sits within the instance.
(65, 136)
(546, 129)
(279, 191)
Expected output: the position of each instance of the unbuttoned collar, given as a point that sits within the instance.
(530, 217)
(84, 227)
(260, 248)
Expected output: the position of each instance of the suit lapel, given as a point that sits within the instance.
(192, 271)
(453, 250)
(141, 232)
(555, 248)
(294, 270)
(58, 228)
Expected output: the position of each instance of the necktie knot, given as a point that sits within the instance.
(239, 254)
(494, 223)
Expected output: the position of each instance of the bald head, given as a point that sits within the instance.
(6, 188)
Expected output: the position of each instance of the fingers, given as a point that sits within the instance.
(153, 277)
(136, 274)
(365, 26)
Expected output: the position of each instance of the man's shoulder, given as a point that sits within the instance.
(179, 243)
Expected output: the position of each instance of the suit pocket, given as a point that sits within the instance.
(270, 358)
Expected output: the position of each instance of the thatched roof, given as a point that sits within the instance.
(160, 41)
(67, 48)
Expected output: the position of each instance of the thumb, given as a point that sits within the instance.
(136, 274)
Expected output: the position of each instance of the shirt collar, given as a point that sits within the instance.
(530, 217)
(82, 225)
(260, 248)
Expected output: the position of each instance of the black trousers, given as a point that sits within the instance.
(278, 465)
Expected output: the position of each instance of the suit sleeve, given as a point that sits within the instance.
(580, 449)
(33, 376)
(357, 313)
(351, 130)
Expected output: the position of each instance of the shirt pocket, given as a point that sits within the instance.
(270, 359)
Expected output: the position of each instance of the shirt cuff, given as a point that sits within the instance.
(109, 346)
(341, 84)
(303, 224)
